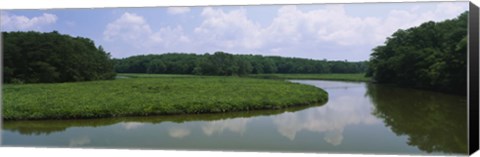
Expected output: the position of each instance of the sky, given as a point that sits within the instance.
(321, 31)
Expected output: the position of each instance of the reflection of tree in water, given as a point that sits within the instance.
(433, 122)
(39, 127)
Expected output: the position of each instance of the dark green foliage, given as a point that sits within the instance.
(219, 64)
(156, 66)
(428, 118)
(430, 56)
(33, 57)
(225, 64)
(153, 94)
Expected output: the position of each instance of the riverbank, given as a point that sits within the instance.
(357, 77)
(153, 96)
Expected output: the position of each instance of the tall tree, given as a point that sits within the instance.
(33, 57)
(430, 56)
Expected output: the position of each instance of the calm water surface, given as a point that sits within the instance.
(358, 118)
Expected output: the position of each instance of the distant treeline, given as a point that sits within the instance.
(221, 63)
(430, 56)
(33, 57)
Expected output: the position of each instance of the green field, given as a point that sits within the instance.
(341, 77)
(143, 96)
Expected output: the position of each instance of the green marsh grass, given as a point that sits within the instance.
(153, 96)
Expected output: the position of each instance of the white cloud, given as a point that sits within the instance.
(228, 30)
(237, 125)
(290, 28)
(404, 19)
(334, 138)
(169, 36)
(331, 118)
(178, 10)
(131, 125)
(449, 9)
(17, 22)
(330, 32)
(129, 27)
(333, 24)
(81, 141)
(285, 27)
(134, 30)
(178, 132)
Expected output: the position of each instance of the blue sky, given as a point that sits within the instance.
(326, 31)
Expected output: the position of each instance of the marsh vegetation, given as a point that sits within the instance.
(153, 96)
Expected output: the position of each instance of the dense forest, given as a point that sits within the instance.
(221, 63)
(33, 57)
(430, 56)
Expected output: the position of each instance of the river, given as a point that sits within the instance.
(358, 118)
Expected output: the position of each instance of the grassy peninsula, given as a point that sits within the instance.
(153, 96)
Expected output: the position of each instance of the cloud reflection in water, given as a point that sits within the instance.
(237, 125)
(79, 141)
(343, 108)
(178, 132)
(132, 125)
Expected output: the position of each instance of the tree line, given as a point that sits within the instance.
(34, 57)
(430, 56)
(225, 64)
